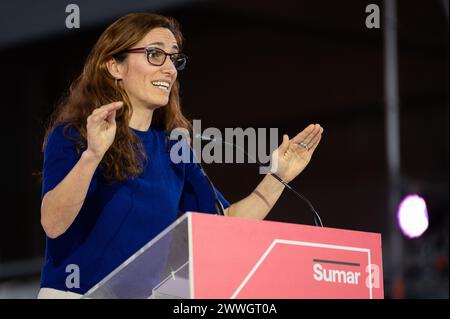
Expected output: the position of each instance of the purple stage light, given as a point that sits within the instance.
(412, 216)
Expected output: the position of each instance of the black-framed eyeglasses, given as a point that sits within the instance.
(157, 56)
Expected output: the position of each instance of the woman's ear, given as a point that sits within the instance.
(114, 68)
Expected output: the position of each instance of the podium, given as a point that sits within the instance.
(211, 256)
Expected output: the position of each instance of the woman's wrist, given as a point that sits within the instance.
(282, 177)
(91, 157)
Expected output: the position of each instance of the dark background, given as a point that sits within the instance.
(280, 64)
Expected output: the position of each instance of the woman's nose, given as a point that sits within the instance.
(169, 67)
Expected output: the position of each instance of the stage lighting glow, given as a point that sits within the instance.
(412, 216)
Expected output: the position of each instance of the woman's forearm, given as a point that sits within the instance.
(259, 203)
(61, 205)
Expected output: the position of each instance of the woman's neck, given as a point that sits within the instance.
(141, 119)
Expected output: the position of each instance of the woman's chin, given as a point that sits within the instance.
(156, 104)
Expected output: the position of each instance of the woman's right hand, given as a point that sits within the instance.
(101, 129)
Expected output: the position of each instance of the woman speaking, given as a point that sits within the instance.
(109, 185)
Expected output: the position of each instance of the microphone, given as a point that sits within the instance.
(217, 203)
(317, 219)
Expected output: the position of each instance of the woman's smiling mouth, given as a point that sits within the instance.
(162, 85)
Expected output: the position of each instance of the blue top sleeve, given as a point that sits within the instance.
(60, 156)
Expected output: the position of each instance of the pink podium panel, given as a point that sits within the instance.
(242, 258)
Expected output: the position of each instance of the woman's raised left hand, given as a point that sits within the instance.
(293, 155)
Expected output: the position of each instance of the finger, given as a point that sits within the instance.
(316, 131)
(285, 144)
(111, 117)
(97, 110)
(94, 116)
(313, 147)
(300, 137)
(315, 138)
(98, 117)
(113, 106)
(109, 107)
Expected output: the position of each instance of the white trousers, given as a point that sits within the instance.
(50, 293)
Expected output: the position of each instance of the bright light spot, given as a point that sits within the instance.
(412, 216)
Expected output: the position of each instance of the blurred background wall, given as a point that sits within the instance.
(280, 64)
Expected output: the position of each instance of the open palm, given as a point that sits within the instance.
(293, 155)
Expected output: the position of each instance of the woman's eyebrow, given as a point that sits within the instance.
(162, 44)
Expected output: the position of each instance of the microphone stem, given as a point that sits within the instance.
(317, 219)
(217, 203)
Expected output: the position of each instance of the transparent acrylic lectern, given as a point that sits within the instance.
(159, 270)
